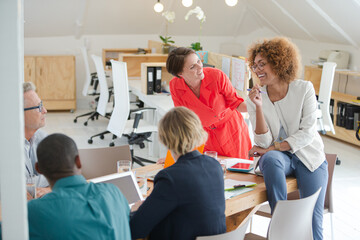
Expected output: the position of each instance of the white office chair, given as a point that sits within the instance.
(292, 219)
(237, 234)
(323, 113)
(104, 107)
(135, 130)
(90, 86)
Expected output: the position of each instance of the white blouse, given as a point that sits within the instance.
(297, 114)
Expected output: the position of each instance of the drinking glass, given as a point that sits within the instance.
(31, 185)
(212, 154)
(223, 166)
(141, 178)
(123, 166)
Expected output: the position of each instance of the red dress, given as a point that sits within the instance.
(216, 108)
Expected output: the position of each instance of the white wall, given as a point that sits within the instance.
(309, 49)
(95, 43)
(223, 44)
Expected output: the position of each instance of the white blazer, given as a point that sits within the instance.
(297, 114)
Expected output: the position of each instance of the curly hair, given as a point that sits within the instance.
(282, 55)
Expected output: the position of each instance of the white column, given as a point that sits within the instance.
(12, 178)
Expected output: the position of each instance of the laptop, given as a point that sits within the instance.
(127, 184)
(97, 162)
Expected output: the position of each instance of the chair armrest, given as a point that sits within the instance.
(141, 110)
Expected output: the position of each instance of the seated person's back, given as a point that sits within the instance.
(188, 197)
(74, 209)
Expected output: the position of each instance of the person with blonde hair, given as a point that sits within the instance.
(282, 112)
(188, 197)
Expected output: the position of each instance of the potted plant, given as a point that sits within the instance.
(201, 16)
(170, 17)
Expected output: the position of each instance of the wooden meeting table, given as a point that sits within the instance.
(238, 207)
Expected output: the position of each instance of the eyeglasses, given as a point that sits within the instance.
(259, 66)
(40, 107)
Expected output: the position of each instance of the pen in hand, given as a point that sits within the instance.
(249, 89)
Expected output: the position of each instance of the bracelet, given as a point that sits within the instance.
(277, 146)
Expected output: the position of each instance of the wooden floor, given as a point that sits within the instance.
(346, 183)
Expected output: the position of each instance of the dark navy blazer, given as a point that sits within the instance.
(187, 201)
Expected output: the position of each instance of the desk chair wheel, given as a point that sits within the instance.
(90, 141)
(111, 144)
(75, 120)
(102, 137)
(85, 123)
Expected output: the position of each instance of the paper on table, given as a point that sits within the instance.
(233, 193)
(230, 183)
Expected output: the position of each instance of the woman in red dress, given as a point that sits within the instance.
(209, 93)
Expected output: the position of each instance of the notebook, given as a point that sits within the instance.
(127, 184)
(239, 165)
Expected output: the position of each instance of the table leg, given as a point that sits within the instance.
(233, 221)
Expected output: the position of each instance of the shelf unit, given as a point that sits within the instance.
(134, 61)
(165, 75)
(313, 74)
(113, 53)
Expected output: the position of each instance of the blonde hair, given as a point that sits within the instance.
(180, 130)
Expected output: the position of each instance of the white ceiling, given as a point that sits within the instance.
(331, 21)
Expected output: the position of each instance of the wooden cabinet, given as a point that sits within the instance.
(313, 74)
(54, 77)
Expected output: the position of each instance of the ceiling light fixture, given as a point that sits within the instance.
(158, 7)
(187, 3)
(231, 3)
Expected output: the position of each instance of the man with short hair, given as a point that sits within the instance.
(34, 119)
(75, 209)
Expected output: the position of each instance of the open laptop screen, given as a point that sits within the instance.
(125, 182)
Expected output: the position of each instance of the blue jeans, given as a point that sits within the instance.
(276, 165)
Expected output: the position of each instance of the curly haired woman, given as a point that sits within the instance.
(283, 114)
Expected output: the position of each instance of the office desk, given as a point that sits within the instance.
(238, 208)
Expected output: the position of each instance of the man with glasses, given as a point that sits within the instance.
(34, 119)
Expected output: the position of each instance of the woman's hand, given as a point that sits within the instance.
(255, 95)
(160, 161)
(257, 151)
